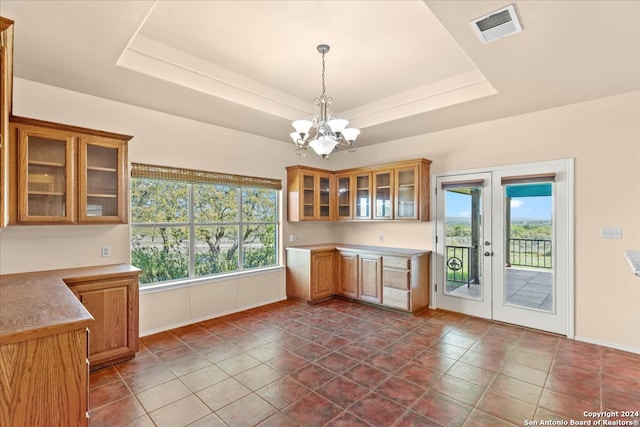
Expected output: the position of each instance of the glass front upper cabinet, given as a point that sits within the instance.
(102, 193)
(45, 176)
(68, 174)
(344, 197)
(325, 208)
(407, 193)
(382, 193)
(362, 196)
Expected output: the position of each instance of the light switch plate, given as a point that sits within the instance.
(611, 232)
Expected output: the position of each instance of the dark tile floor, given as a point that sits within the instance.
(340, 363)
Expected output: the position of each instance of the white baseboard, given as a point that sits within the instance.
(635, 350)
(212, 316)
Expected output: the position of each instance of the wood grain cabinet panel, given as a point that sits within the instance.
(113, 303)
(310, 274)
(348, 274)
(6, 94)
(370, 284)
(45, 381)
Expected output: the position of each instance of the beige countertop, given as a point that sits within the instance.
(38, 304)
(361, 248)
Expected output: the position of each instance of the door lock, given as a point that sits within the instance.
(487, 243)
(488, 253)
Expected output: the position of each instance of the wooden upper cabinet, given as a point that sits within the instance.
(6, 92)
(310, 194)
(45, 176)
(362, 196)
(65, 174)
(383, 194)
(103, 190)
(344, 197)
(396, 191)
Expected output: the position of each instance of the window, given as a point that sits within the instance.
(188, 224)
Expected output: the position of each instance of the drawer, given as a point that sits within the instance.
(395, 298)
(399, 279)
(396, 262)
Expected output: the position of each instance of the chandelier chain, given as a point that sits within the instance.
(323, 86)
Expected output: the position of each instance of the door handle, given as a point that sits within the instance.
(488, 253)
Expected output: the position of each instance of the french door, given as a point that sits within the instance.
(503, 244)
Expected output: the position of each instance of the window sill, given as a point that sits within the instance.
(185, 283)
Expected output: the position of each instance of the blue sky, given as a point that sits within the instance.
(459, 205)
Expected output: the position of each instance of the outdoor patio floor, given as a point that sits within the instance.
(524, 287)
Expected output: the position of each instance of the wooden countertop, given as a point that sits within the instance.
(38, 304)
(362, 248)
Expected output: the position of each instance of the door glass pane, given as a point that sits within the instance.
(344, 197)
(325, 197)
(406, 193)
(383, 195)
(463, 237)
(363, 197)
(46, 184)
(528, 274)
(102, 181)
(308, 195)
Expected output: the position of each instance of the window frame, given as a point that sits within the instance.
(240, 184)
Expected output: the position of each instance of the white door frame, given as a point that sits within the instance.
(569, 274)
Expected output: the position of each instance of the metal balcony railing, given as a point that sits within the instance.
(529, 253)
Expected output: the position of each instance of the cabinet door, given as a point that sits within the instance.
(382, 194)
(406, 193)
(322, 274)
(103, 194)
(362, 196)
(308, 197)
(348, 274)
(344, 197)
(45, 176)
(370, 278)
(114, 306)
(325, 196)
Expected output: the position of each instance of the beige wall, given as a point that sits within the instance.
(603, 136)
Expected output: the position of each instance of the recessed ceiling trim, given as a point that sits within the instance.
(454, 90)
(157, 60)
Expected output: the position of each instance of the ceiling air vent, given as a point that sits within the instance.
(496, 25)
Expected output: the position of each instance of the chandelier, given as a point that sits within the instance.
(324, 134)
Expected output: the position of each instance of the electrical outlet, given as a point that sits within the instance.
(381, 238)
(106, 251)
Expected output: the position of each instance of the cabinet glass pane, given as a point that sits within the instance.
(308, 193)
(363, 197)
(102, 181)
(406, 194)
(344, 196)
(325, 192)
(47, 180)
(383, 195)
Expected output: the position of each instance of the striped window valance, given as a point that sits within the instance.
(139, 170)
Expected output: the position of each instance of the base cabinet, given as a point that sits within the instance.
(348, 275)
(113, 302)
(310, 274)
(394, 278)
(45, 381)
(370, 283)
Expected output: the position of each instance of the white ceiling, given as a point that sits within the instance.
(395, 69)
